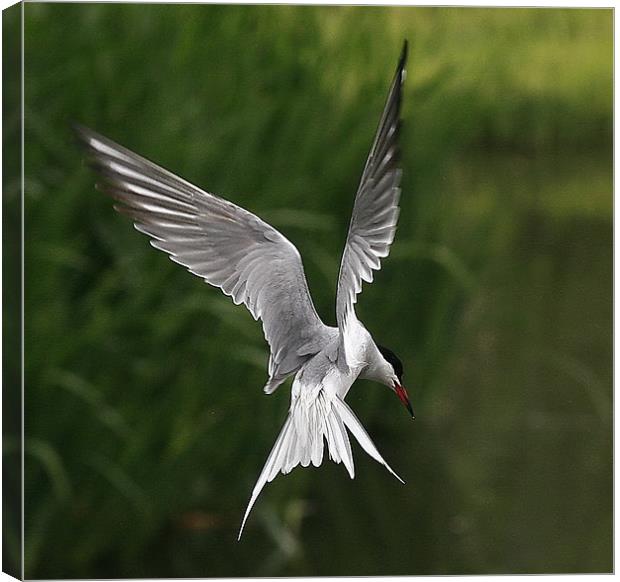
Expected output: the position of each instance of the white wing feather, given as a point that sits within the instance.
(224, 244)
(375, 212)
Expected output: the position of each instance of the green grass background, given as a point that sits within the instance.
(145, 423)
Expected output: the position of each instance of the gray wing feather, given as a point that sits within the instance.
(224, 244)
(375, 212)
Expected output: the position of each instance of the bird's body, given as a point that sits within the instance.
(318, 412)
(256, 265)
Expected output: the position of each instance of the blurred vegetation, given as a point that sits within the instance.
(146, 426)
(11, 293)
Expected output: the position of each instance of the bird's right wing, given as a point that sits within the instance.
(224, 244)
(375, 212)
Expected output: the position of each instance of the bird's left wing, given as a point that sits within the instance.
(375, 212)
(224, 244)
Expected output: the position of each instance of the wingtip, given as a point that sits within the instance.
(84, 137)
(403, 55)
(401, 69)
(75, 125)
(79, 133)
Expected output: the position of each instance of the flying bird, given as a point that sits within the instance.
(256, 265)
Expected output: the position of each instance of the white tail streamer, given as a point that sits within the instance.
(300, 441)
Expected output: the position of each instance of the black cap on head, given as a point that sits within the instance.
(392, 358)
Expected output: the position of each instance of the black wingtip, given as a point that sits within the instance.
(77, 128)
(80, 134)
(403, 55)
(84, 134)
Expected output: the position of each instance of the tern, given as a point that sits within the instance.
(256, 265)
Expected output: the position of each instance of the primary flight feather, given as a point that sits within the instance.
(256, 265)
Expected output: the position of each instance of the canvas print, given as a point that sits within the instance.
(307, 290)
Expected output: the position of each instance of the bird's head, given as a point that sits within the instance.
(394, 377)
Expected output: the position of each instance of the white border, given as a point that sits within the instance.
(463, 3)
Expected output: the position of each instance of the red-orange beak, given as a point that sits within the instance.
(404, 398)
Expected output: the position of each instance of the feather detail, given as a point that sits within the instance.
(315, 416)
(375, 211)
(358, 431)
(220, 242)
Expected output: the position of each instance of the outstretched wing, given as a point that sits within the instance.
(224, 244)
(375, 212)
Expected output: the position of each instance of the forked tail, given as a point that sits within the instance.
(300, 441)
